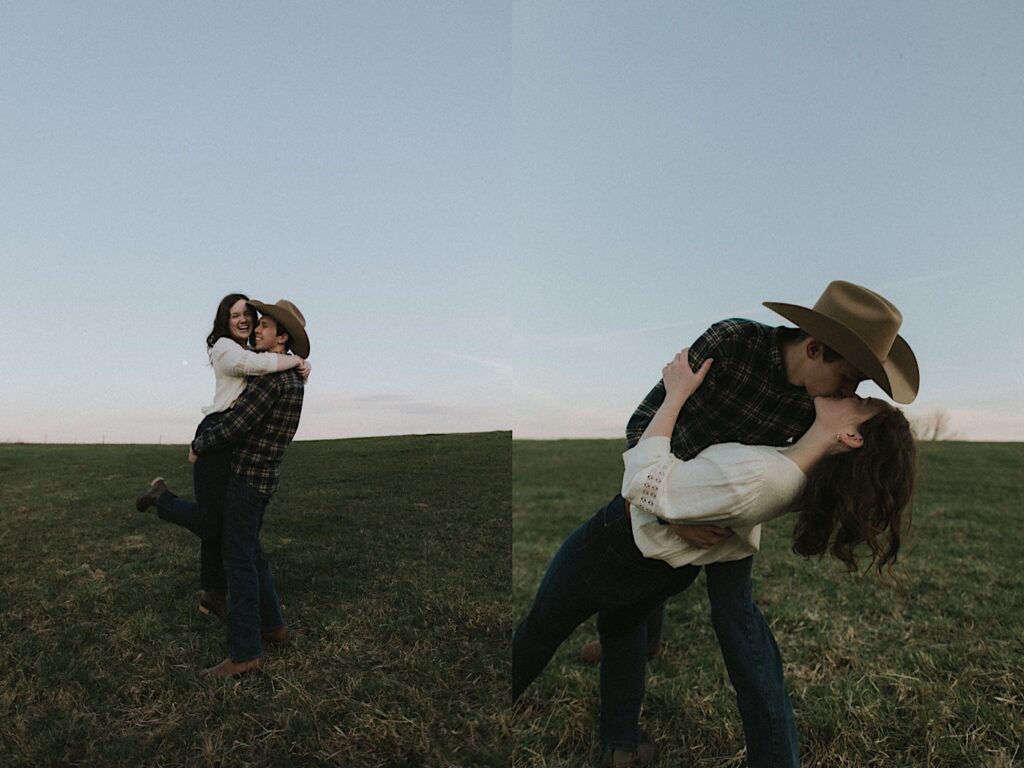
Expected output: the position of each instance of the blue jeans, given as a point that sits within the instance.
(204, 516)
(253, 607)
(753, 662)
(599, 570)
(654, 625)
(754, 665)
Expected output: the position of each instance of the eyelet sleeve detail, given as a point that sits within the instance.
(650, 485)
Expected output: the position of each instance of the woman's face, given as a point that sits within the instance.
(841, 412)
(241, 321)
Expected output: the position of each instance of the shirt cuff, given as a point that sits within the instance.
(647, 464)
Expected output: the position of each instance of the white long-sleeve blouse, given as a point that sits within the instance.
(732, 485)
(231, 364)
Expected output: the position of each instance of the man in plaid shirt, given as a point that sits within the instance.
(746, 398)
(759, 391)
(259, 426)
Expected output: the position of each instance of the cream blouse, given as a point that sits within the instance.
(732, 485)
(231, 364)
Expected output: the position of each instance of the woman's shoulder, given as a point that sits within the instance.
(736, 463)
(735, 453)
(767, 457)
(226, 354)
(225, 344)
(760, 477)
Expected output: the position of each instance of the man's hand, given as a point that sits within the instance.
(192, 456)
(701, 536)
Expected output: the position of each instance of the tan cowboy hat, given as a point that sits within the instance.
(862, 327)
(288, 317)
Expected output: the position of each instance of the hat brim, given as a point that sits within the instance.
(296, 333)
(897, 375)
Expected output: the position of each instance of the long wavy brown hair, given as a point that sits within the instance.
(221, 320)
(861, 496)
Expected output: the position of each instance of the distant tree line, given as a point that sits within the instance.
(933, 425)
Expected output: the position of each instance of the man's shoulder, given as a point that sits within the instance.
(260, 383)
(738, 326)
(291, 379)
(738, 334)
(276, 380)
(288, 384)
(272, 386)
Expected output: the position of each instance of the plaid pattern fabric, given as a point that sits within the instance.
(259, 427)
(745, 397)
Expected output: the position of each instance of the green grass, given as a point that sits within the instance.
(926, 672)
(392, 562)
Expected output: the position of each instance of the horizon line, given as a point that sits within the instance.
(303, 440)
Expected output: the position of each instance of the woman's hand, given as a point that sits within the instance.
(680, 380)
(304, 369)
(680, 383)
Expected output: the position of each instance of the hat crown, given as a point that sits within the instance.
(872, 317)
(287, 306)
(290, 318)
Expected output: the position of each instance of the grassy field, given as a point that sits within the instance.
(392, 561)
(924, 673)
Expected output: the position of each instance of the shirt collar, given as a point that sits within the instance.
(779, 335)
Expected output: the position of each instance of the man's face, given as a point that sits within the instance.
(266, 334)
(835, 379)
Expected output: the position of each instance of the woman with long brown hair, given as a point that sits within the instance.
(849, 479)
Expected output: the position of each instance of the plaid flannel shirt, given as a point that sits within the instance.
(745, 397)
(258, 427)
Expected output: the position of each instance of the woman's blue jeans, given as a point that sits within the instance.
(599, 569)
(204, 516)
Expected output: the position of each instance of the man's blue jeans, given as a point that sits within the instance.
(600, 570)
(754, 665)
(204, 516)
(253, 607)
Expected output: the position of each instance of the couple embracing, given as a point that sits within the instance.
(260, 370)
(748, 423)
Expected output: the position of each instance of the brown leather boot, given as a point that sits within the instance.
(229, 668)
(277, 636)
(148, 498)
(591, 652)
(621, 758)
(214, 602)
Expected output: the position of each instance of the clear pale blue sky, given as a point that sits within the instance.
(679, 163)
(349, 157)
(495, 214)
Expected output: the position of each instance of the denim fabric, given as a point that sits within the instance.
(253, 605)
(754, 665)
(654, 625)
(204, 516)
(599, 569)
